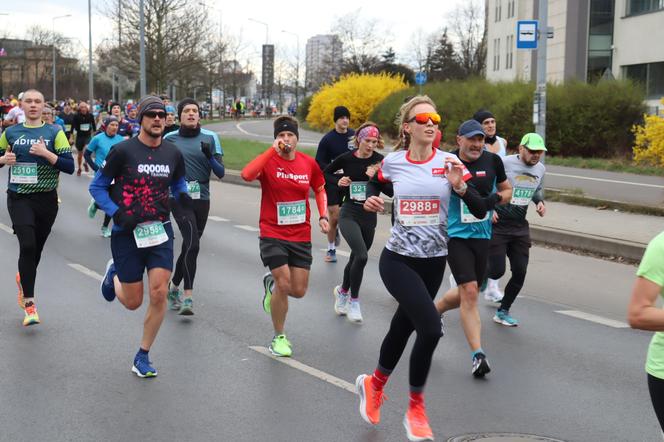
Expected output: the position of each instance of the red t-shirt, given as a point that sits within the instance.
(285, 210)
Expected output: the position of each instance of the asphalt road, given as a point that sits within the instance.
(623, 187)
(69, 378)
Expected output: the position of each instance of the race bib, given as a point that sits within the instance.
(294, 212)
(358, 191)
(149, 234)
(67, 127)
(521, 196)
(23, 173)
(84, 127)
(467, 217)
(194, 189)
(419, 211)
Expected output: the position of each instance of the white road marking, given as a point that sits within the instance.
(238, 126)
(308, 370)
(217, 218)
(247, 228)
(605, 180)
(339, 252)
(593, 318)
(86, 271)
(6, 229)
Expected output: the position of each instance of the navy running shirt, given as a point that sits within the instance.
(332, 145)
(142, 177)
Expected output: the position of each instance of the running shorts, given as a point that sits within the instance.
(130, 261)
(82, 141)
(500, 242)
(468, 258)
(278, 252)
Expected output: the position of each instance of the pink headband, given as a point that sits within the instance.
(369, 131)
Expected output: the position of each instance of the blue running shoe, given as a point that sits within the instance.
(107, 286)
(331, 256)
(503, 317)
(143, 367)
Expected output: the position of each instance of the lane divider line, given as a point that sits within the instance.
(217, 218)
(86, 271)
(593, 318)
(6, 228)
(339, 252)
(605, 180)
(247, 228)
(330, 379)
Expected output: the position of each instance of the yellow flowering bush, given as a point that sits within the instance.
(360, 93)
(649, 141)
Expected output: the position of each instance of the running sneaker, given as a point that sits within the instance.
(370, 399)
(85, 166)
(143, 367)
(354, 312)
(173, 297)
(105, 232)
(331, 256)
(442, 326)
(337, 238)
(21, 301)
(78, 172)
(107, 286)
(416, 423)
(187, 308)
(492, 295)
(340, 301)
(92, 209)
(503, 317)
(31, 316)
(268, 285)
(480, 365)
(281, 346)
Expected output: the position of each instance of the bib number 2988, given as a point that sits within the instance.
(414, 211)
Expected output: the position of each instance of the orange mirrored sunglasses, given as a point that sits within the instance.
(424, 118)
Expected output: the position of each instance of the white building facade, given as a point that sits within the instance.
(324, 54)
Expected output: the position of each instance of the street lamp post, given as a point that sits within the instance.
(142, 47)
(297, 67)
(54, 78)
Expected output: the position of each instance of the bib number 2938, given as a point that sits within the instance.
(294, 212)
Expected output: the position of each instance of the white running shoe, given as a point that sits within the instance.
(493, 295)
(341, 301)
(354, 312)
(452, 281)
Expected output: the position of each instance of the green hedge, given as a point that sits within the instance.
(582, 119)
(303, 108)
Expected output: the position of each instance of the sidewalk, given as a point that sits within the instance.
(583, 228)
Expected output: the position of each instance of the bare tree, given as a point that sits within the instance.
(467, 24)
(420, 49)
(363, 40)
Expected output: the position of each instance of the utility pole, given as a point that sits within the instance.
(540, 92)
(90, 74)
(142, 47)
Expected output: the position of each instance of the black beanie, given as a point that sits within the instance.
(285, 124)
(341, 111)
(482, 115)
(184, 102)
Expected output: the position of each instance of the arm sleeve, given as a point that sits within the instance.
(380, 183)
(328, 172)
(476, 204)
(217, 165)
(178, 186)
(218, 150)
(252, 170)
(99, 191)
(538, 196)
(321, 201)
(87, 154)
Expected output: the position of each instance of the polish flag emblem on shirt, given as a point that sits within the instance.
(480, 173)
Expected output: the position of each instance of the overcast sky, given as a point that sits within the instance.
(399, 20)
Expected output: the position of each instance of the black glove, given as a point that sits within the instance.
(206, 148)
(185, 201)
(125, 220)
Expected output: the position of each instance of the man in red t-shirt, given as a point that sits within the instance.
(285, 231)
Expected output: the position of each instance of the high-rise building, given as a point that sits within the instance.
(592, 39)
(324, 54)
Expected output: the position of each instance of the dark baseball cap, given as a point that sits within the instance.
(470, 128)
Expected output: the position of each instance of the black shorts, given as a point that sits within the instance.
(130, 261)
(468, 259)
(82, 141)
(500, 244)
(334, 195)
(278, 252)
(32, 209)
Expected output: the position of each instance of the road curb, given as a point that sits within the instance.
(555, 237)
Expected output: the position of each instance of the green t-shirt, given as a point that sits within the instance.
(652, 269)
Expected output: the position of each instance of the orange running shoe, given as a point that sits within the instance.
(21, 301)
(31, 316)
(370, 399)
(417, 423)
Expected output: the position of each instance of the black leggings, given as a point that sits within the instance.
(107, 218)
(32, 218)
(358, 231)
(517, 250)
(414, 283)
(191, 223)
(656, 388)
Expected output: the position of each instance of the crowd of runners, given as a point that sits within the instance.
(152, 163)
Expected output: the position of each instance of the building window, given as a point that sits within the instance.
(509, 51)
(635, 7)
(496, 55)
(650, 75)
(510, 9)
(600, 38)
(498, 10)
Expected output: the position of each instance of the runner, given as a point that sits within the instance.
(125, 128)
(357, 225)
(132, 119)
(16, 114)
(511, 233)
(37, 153)
(202, 155)
(470, 235)
(494, 144)
(68, 119)
(171, 126)
(336, 142)
(100, 145)
(48, 118)
(285, 231)
(413, 261)
(643, 314)
(84, 126)
(143, 168)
